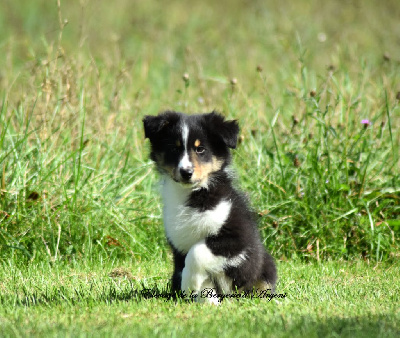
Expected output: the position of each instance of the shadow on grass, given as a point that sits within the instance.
(93, 293)
(357, 326)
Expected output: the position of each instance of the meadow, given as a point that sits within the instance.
(315, 88)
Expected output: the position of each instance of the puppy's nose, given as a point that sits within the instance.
(186, 173)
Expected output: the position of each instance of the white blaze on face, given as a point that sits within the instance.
(185, 163)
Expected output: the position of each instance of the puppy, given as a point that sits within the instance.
(212, 231)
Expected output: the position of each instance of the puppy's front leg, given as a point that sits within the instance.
(200, 265)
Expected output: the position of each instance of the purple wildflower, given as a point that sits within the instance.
(366, 123)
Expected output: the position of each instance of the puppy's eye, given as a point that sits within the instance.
(200, 150)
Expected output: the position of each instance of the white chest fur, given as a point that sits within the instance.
(185, 226)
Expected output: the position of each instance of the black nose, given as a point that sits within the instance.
(186, 173)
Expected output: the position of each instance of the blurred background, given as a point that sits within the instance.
(155, 42)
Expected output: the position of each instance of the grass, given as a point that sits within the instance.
(329, 300)
(79, 197)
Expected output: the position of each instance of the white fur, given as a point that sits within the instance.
(185, 135)
(200, 266)
(185, 163)
(237, 260)
(185, 226)
(199, 263)
(196, 277)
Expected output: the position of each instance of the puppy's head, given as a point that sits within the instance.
(190, 149)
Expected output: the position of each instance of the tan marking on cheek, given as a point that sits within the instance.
(216, 164)
(201, 171)
(196, 143)
(178, 143)
(197, 168)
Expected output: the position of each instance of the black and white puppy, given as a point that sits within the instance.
(208, 223)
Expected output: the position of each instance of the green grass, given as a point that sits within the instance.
(79, 197)
(332, 299)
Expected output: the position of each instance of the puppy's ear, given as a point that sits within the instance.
(153, 125)
(227, 130)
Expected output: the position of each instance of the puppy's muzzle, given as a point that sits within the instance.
(186, 173)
